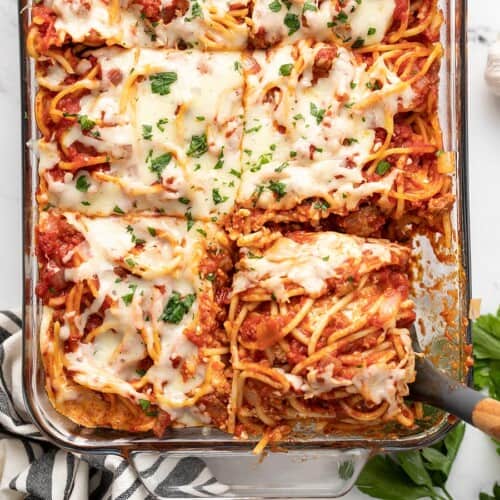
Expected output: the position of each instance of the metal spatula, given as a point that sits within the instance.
(434, 387)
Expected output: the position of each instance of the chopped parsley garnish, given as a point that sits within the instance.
(286, 69)
(130, 262)
(237, 66)
(251, 255)
(292, 22)
(160, 123)
(293, 154)
(184, 200)
(281, 167)
(298, 116)
(145, 405)
(220, 160)
(152, 231)
(318, 113)
(253, 129)
(371, 31)
(217, 197)
(85, 123)
(198, 146)
(200, 118)
(82, 184)
(382, 167)
(278, 188)
(353, 85)
(342, 17)
(262, 160)
(358, 43)
(325, 258)
(348, 105)
(127, 299)
(118, 210)
(86, 203)
(349, 141)
(161, 82)
(274, 6)
(196, 11)
(309, 6)
(202, 232)
(157, 165)
(177, 307)
(321, 205)
(236, 173)
(189, 220)
(147, 132)
(210, 277)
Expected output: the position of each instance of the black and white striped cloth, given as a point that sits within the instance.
(34, 469)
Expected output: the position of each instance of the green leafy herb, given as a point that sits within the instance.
(358, 43)
(160, 123)
(342, 17)
(292, 22)
(274, 6)
(220, 160)
(253, 256)
(383, 167)
(85, 123)
(200, 118)
(151, 231)
(236, 173)
(118, 210)
(161, 82)
(253, 129)
(321, 205)
(309, 6)
(147, 132)
(286, 69)
(278, 188)
(189, 220)
(157, 165)
(184, 200)
(237, 66)
(127, 299)
(495, 496)
(145, 406)
(217, 197)
(198, 146)
(412, 474)
(82, 184)
(371, 31)
(202, 232)
(281, 167)
(318, 113)
(196, 11)
(177, 307)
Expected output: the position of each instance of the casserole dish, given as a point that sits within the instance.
(325, 465)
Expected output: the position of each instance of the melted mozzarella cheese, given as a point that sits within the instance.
(128, 27)
(311, 263)
(174, 151)
(368, 20)
(163, 264)
(314, 118)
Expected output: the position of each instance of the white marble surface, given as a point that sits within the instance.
(478, 466)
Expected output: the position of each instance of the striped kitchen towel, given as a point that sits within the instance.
(32, 468)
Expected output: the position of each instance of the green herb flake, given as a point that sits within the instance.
(274, 6)
(118, 210)
(318, 113)
(157, 165)
(286, 69)
(151, 231)
(220, 160)
(358, 43)
(161, 82)
(292, 22)
(309, 6)
(147, 132)
(85, 123)
(217, 197)
(371, 31)
(383, 167)
(127, 299)
(184, 200)
(160, 124)
(278, 188)
(82, 184)
(189, 220)
(177, 307)
(202, 232)
(198, 146)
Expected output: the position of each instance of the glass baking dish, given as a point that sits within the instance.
(308, 464)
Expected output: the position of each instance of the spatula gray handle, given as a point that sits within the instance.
(436, 388)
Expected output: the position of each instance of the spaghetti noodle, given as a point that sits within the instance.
(176, 135)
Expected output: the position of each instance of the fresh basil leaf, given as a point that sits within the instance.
(495, 496)
(412, 463)
(485, 344)
(161, 82)
(384, 478)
